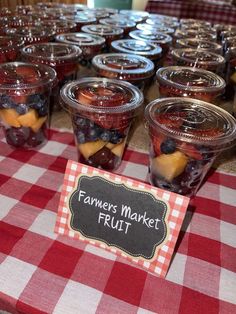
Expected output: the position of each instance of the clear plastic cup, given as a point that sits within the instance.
(203, 44)
(124, 66)
(186, 136)
(63, 58)
(176, 81)
(33, 34)
(128, 17)
(101, 111)
(200, 33)
(137, 13)
(138, 47)
(172, 23)
(10, 48)
(199, 58)
(110, 33)
(24, 102)
(90, 44)
(59, 26)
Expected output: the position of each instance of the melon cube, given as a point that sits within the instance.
(28, 119)
(90, 148)
(10, 117)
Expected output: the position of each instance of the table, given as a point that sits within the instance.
(41, 272)
(214, 13)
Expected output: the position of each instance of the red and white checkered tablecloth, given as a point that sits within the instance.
(225, 14)
(41, 272)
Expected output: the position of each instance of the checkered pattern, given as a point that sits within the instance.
(42, 272)
(213, 13)
(177, 208)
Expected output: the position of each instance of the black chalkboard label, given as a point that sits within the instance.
(129, 219)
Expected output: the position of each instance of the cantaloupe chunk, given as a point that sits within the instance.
(90, 148)
(28, 119)
(233, 77)
(10, 117)
(110, 145)
(118, 149)
(35, 127)
(170, 166)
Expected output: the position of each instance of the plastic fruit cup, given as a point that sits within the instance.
(172, 23)
(110, 33)
(199, 44)
(176, 81)
(199, 58)
(186, 135)
(196, 33)
(9, 48)
(24, 102)
(138, 47)
(59, 26)
(101, 112)
(90, 44)
(124, 66)
(33, 34)
(162, 39)
(136, 13)
(62, 57)
(128, 17)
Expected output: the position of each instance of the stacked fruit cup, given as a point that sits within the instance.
(101, 112)
(24, 102)
(63, 58)
(10, 48)
(186, 135)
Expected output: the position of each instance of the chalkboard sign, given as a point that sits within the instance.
(129, 219)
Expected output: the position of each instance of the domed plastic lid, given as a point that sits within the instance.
(52, 51)
(137, 47)
(188, 78)
(102, 30)
(9, 42)
(199, 44)
(80, 18)
(97, 13)
(80, 39)
(190, 21)
(59, 25)
(26, 76)
(121, 22)
(32, 32)
(167, 22)
(15, 21)
(124, 64)
(157, 37)
(142, 14)
(198, 56)
(161, 28)
(100, 94)
(155, 16)
(194, 121)
(200, 34)
(134, 18)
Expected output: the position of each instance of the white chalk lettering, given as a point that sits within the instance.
(110, 222)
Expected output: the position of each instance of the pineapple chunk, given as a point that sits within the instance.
(10, 117)
(90, 148)
(118, 149)
(28, 119)
(35, 127)
(170, 166)
(233, 77)
(110, 145)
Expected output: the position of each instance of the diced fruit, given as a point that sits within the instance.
(119, 149)
(207, 133)
(111, 145)
(36, 139)
(191, 151)
(10, 117)
(168, 146)
(27, 73)
(170, 166)
(233, 77)
(86, 96)
(19, 99)
(35, 127)
(172, 120)
(17, 136)
(90, 148)
(28, 119)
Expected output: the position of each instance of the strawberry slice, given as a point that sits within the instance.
(29, 74)
(191, 151)
(207, 132)
(171, 120)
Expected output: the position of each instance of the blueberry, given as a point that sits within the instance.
(206, 152)
(105, 135)
(168, 146)
(6, 102)
(81, 122)
(34, 99)
(93, 134)
(39, 103)
(163, 184)
(80, 137)
(116, 137)
(21, 108)
(17, 136)
(194, 168)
